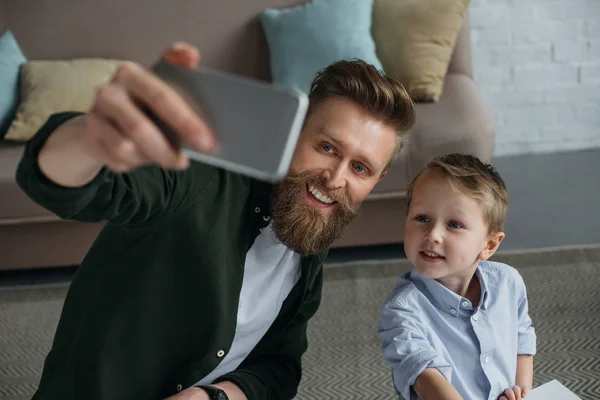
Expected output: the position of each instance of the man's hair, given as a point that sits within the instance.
(370, 88)
(477, 179)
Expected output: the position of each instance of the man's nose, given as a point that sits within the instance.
(335, 176)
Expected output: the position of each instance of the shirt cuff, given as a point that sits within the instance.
(406, 373)
(527, 343)
(60, 200)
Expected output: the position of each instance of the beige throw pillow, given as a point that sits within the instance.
(48, 87)
(415, 40)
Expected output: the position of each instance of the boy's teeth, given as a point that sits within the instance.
(430, 254)
(318, 195)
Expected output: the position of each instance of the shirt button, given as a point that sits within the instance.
(452, 311)
(475, 317)
(220, 353)
(179, 387)
(257, 210)
(266, 218)
(486, 359)
(465, 304)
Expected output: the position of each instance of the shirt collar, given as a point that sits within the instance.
(485, 294)
(444, 298)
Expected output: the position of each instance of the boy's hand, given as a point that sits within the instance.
(514, 393)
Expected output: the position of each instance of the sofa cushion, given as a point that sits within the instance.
(306, 38)
(48, 87)
(415, 40)
(11, 59)
(458, 122)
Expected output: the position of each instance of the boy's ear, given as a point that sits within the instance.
(493, 241)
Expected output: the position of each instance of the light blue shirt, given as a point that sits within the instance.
(424, 324)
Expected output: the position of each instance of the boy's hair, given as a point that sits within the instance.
(479, 180)
(364, 84)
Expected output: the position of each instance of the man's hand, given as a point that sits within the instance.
(116, 132)
(192, 393)
(121, 136)
(514, 393)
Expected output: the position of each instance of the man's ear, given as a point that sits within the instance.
(493, 241)
(383, 174)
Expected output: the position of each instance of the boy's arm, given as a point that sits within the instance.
(431, 385)
(409, 353)
(524, 377)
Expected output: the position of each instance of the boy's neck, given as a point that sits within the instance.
(465, 285)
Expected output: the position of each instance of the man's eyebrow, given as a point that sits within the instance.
(340, 143)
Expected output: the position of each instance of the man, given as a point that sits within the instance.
(202, 282)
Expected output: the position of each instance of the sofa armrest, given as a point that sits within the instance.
(461, 61)
(459, 123)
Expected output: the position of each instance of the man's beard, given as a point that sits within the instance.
(302, 227)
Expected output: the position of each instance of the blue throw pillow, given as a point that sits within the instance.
(11, 59)
(306, 38)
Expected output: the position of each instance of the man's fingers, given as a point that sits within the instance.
(168, 106)
(141, 134)
(524, 392)
(182, 54)
(115, 151)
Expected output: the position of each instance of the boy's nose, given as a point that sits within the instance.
(434, 235)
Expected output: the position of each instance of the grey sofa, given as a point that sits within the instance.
(230, 37)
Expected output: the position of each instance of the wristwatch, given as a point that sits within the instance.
(214, 392)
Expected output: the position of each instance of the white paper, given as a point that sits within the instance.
(552, 390)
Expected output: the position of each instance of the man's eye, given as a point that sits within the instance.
(327, 148)
(422, 218)
(359, 168)
(454, 225)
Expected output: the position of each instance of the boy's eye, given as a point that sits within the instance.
(422, 218)
(454, 225)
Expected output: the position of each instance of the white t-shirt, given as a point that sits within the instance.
(271, 271)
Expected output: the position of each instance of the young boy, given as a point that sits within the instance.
(457, 325)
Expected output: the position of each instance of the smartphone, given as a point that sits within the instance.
(257, 124)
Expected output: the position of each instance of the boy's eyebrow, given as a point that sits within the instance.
(457, 212)
(340, 143)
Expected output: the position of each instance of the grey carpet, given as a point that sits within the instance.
(344, 357)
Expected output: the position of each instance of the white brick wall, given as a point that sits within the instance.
(537, 63)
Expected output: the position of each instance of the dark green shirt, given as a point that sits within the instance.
(156, 297)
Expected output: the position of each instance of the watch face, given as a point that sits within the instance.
(222, 396)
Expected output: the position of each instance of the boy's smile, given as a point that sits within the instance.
(431, 256)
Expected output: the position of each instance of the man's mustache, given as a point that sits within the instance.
(338, 195)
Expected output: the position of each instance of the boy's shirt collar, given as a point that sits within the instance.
(445, 299)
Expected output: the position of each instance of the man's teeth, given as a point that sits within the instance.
(429, 254)
(319, 196)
